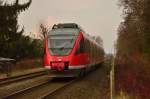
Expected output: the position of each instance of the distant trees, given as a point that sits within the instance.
(99, 41)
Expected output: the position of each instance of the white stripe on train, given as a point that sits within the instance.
(76, 66)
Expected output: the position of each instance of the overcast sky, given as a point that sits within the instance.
(97, 17)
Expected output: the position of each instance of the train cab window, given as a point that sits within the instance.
(61, 45)
(80, 48)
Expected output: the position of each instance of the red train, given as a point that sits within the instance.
(70, 52)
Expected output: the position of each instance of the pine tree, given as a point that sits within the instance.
(9, 28)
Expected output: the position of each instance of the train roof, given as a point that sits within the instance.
(70, 29)
(66, 25)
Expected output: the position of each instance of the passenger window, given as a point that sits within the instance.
(80, 48)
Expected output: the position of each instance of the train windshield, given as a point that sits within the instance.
(61, 45)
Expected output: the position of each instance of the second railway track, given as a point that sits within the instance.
(41, 90)
(46, 95)
(21, 77)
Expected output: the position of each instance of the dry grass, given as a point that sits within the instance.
(123, 95)
(134, 77)
(28, 63)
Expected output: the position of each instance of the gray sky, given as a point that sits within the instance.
(97, 17)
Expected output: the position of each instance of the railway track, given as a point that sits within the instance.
(41, 90)
(46, 95)
(9, 80)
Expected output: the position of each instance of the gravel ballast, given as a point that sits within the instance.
(95, 85)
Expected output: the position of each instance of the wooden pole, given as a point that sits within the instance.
(112, 75)
(112, 79)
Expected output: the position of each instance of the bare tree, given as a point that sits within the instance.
(43, 31)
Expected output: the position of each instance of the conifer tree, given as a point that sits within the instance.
(10, 34)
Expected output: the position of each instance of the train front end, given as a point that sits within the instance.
(61, 57)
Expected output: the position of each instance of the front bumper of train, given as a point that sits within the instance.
(72, 71)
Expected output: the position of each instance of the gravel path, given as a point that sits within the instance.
(96, 85)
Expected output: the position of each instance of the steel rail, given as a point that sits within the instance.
(57, 89)
(21, 77)
(37, 86)
(23, 90)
